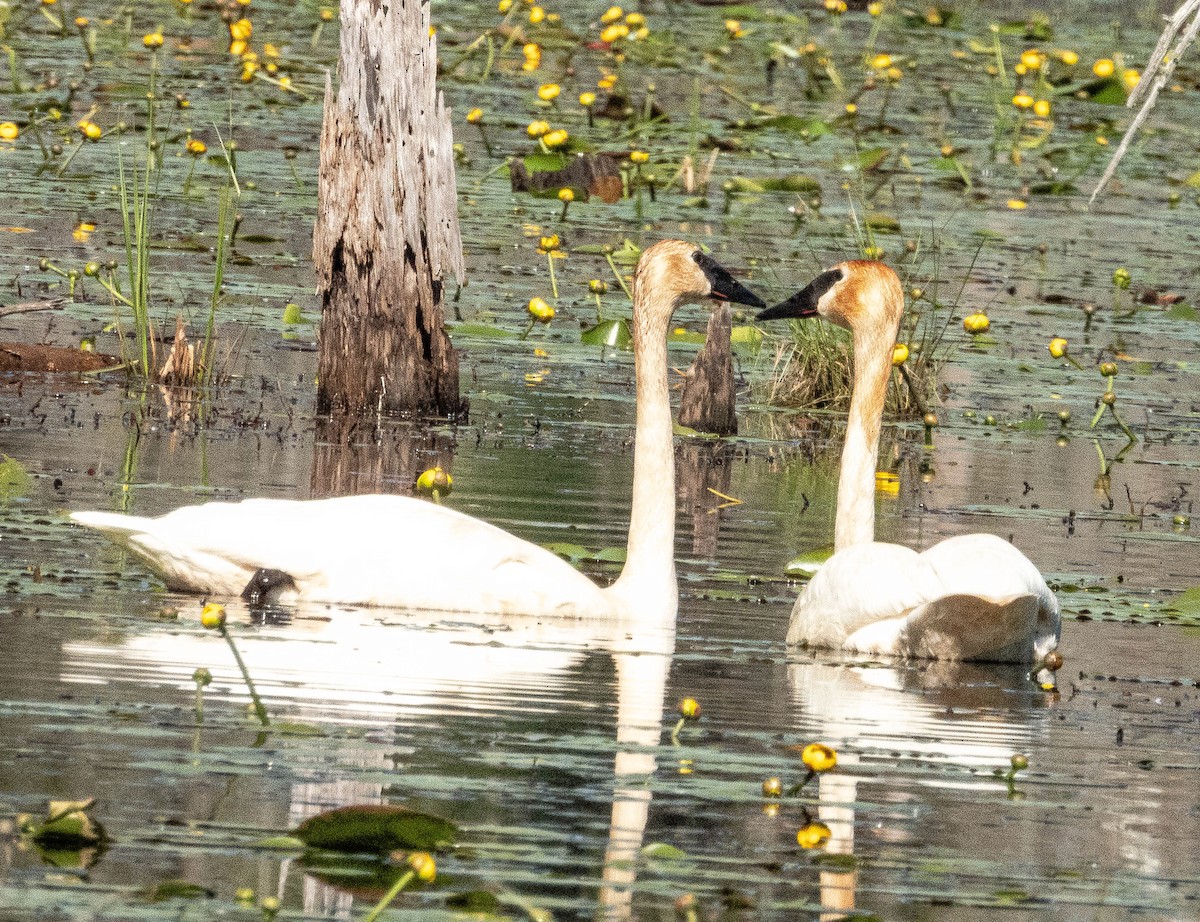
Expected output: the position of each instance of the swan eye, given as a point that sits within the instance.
(820, 286)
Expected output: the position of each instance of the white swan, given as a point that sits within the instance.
(973, 597)
(402, 552)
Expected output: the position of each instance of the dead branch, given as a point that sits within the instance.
(1158, 71)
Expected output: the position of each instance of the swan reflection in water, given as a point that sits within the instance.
(373, 667)
(958, 720)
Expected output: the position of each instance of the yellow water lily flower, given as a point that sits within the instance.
(814, 835)
(540, 310)
(976, 323)
(819, 757)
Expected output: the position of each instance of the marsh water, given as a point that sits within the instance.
(549, 743)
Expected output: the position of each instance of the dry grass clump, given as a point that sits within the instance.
(813, 370)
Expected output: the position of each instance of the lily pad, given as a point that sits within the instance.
(375, 828)
(664, 851)
(14, 479)
(67, 825)
(808, 129)
(178, 890)
(746, 335)
(806, 565)
(614, 333)
(1187, 603)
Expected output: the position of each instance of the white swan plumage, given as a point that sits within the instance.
(401, 552)
(971, 597)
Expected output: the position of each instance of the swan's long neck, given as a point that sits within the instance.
(856, 485)
(648, 580)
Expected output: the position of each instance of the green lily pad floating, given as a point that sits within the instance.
(14, 479)
(487, 903)
(953, 165)
(878, 220)
(746, 335)
(481, 330)
(664, 851)
(577, 553)
(481, 902)
(376, 828)
(794, 182)
(177, 890)
(67, 826)
(806, 565)
(1036, 27)
(1187, 604)
(545, 163)
(1183, 312)
(808, 129)
(627, 254)
(614, 333)
(1108, 91)
(866, 160)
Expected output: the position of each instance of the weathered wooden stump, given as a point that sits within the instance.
(708, 402)
(387, 224)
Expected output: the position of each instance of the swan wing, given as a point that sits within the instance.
(859, 586)
(1008, 612)
(359, 550)
(971, 597)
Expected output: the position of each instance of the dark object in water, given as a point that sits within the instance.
(708, 400)
(596, 174)
(29, 357)
(265, 586)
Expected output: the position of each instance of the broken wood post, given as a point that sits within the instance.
(708, 400)
(387, 222)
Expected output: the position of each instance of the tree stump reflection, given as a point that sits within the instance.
(702, 466)
(354, 455)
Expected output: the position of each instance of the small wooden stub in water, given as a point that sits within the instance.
(708, 403)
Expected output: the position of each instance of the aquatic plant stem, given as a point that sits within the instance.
(383, 904)
(225, 213)
(620, 280)
(259, 710)
(71, 156)
(912, 389)
(675, 732)
(797, 788)
(553, 279)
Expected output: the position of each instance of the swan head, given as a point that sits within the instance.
(688, 275)
(859, 294)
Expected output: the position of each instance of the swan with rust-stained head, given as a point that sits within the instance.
(402, 552)
(973, 597)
